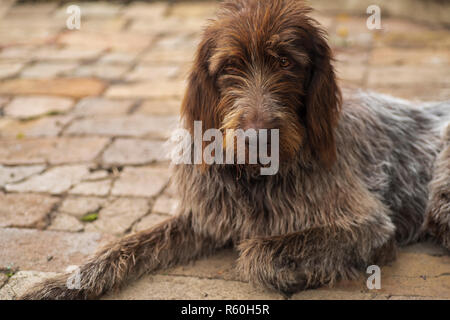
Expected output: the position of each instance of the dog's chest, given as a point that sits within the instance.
(239, 208)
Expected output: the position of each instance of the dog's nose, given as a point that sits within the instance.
(255, 121)
(258, 124)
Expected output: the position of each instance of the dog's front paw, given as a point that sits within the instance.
(264, 262)
(440, 233)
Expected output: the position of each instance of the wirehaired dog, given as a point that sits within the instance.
(358, 176)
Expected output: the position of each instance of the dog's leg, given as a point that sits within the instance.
(315, 257)
(166, 244)
(437, 220)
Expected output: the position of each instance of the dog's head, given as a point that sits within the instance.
(264, 64)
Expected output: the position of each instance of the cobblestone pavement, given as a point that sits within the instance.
(83, 118)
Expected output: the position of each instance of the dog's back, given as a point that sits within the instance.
(441, 110)
(396, 143)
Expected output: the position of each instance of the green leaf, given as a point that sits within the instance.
(90, 217)
(53, 113)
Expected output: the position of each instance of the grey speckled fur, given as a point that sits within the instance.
(362, 178)
(305, 226)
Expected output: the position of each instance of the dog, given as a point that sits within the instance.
(359, 173)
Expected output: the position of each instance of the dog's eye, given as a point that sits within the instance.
(284, 62)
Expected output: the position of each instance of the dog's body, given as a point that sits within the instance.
(356, 178)
(321, 225)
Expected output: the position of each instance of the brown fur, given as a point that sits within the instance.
(353, 179)
(437, 221)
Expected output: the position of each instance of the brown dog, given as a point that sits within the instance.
(353, 177)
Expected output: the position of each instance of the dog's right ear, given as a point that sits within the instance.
(202, 96)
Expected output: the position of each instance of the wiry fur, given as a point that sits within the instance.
(437, 221)
(353, 179)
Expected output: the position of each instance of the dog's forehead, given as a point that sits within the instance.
(250, 31)
(242, 42)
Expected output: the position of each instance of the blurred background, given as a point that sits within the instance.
(84, 114)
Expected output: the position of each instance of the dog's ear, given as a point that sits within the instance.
(201, 97)
(323, 101)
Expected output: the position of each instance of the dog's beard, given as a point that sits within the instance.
(291, 136)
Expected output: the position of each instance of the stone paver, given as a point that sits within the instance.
(70, 87)
(55, 180)
(160, 107)
(167, 25)
(171, 191)
(352, 32)
(146, 11)
(153, 72)
(149, 221)
(351, 73)
(408, 76)
(44, 70)
(118, 216)
(420, 270)
(118, 57)
(194, 9)
(3, 279)
(94, 188)
(43, 127)
(412, 40)
(17, 173)
(336, 294)
(19, 53)
(9, 69)
(113, 24)
(21, 282)
(80, 206)
(169, 287)
(3, 101)
(37, 23)
(169, 56)
(128, 126)
(417, 92)
(84, 115)
(50, 150)
(395, 56)
(102, 71)
(28, 249)
(66, 222)
(95, 10)
(180, 40)
(221, 265)
(102, 107)
(29, 107)
(141, 182)
(27, 10)
(25, 210)
(134, 152)
(166, 205)
(32, 34)
(96, 175)
(5, 6)
(104, 40)
(151, 89)
(66, 54)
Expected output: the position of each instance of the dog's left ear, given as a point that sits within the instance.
(323, 101)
